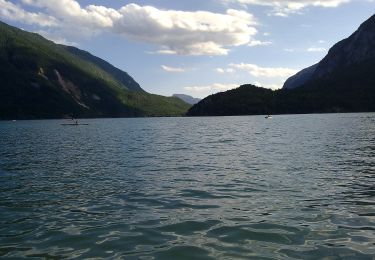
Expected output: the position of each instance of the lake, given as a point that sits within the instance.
(290, 187)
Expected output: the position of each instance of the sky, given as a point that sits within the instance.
(196, 47)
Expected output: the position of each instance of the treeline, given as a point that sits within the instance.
(349, 90)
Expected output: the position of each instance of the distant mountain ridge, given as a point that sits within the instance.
(41, 79)
(188, 99)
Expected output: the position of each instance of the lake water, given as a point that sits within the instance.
(291, 187)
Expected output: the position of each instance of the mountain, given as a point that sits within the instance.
(252, 100)
(354, 55)
(188, 99)
(300, 78)
(41, 79)
(344, 81)
(245, 100)
(118, 74)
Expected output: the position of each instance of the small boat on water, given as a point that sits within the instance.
(268, 117)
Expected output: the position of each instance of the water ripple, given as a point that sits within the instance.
(189, 188)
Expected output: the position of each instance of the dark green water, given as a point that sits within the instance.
(291, 187)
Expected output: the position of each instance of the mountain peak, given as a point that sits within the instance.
(369, 23)
(352, 50)
(356, 49)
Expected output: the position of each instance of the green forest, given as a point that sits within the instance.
(41, 79)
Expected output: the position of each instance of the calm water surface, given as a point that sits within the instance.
(291, 187)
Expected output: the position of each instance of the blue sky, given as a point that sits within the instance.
(196, 47)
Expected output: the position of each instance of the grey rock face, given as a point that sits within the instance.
(300, 78)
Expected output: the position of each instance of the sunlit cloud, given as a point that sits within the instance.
(215, 87)
(259, 43)
(69, 12)
(267, 72)
(14, 12)
(222, 70)
(172, 69)
(205, 90)
(269, 86)
(186, 33)
(172, 31)
(285, 7)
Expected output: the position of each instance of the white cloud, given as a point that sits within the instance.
(165, 52)
(265, 72)
(70, 11)
(205, 90)
(285, 7)
(289, 50)
(175, 32)
(316, 49)
(227, 70)
(259, 43)
(186, 33)
(269, 86)
(280, 14)
(14, 12)
(172, 69)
